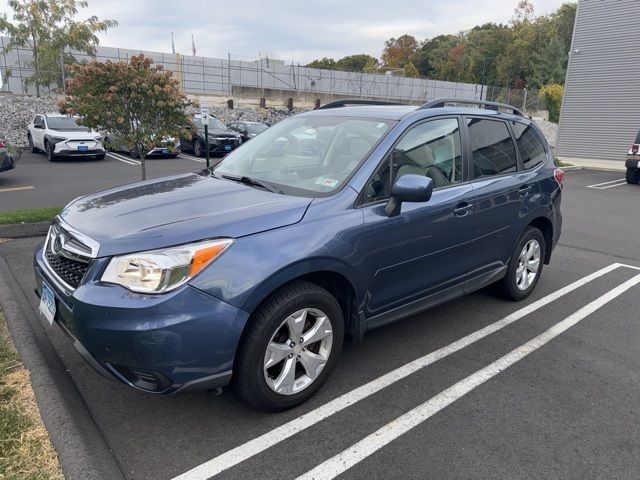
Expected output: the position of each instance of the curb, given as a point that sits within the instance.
(81, 448)
(24, 230)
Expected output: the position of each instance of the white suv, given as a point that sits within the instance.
(60, 136)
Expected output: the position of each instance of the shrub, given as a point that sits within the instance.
(552, 95)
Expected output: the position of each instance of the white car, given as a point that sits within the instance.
(60, 136)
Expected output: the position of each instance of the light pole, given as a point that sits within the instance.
(484, 71)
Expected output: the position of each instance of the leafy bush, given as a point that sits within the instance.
(552, 95)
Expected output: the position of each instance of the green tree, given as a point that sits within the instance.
(548, 65)
(325, 63)
(46, 28)
(135, 101)
(399, 51)
(410, 70)
(355, 63)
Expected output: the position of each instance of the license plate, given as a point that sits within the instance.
(633, 157)
(83, 147)
(48, 303)
(227, 148)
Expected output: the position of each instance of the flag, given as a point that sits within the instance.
(193, 46)
(173, 47)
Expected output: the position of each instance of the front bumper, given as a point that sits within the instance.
(164, 152)
(182, 340)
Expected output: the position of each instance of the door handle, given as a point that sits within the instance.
(462, 209)
(524, 190)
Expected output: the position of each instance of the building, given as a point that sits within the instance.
(600, 114)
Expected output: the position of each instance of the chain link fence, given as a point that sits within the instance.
(256, 78)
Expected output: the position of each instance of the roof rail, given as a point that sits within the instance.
(344, 103)
(440, 102)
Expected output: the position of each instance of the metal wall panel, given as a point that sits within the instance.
(600, 114)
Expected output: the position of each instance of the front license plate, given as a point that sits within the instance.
(83, 148)
(227, 148)
(48, 303)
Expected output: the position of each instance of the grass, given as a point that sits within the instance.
(29, 216)
(25, 450)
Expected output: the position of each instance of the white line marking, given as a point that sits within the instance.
(614, 186)
(16, 189)
(122, 158)
(277, 435)
(346, 459)
(629, 266)
(189, 157)
(596, 185)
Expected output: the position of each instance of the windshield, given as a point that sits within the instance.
(65, 123)
(256, 127)
(307, 154)
(213, 123)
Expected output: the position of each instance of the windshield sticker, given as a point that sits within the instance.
(326, 182)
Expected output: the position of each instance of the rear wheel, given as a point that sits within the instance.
(633, 175)
(31, 145)
(525, 265)
(290, 347)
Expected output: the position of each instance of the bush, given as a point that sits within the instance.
(552, 95)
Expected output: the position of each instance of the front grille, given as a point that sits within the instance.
(228, 141)
(70, 271)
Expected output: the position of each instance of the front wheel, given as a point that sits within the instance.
(31, 145)
(525, 265)
(633, 175)
(49, 147)
(290, 346)
(198, 148)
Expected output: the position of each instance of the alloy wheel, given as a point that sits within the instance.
(197, 148)
(528, 264)
(298, 351)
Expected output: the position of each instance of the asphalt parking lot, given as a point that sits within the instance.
(477, 388)
(36, 182)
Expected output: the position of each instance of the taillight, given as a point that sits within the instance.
(559, 176)
(634, 148)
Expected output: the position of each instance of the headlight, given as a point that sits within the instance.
(97, 138)
(159, 271)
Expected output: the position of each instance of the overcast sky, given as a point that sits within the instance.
(297, 31)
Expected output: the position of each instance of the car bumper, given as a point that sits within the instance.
(182, 340)
(80, 153)
(6, 163)
(214, 148)
(163, 152)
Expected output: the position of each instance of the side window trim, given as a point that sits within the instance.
(541, 139)
(470, 156)
(360, 201)
(519, 161)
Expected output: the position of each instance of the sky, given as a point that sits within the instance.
(294, 31)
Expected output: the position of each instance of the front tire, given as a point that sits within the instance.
(49, 147)
(31, 145)
(198, 148)
(525, 266)
(290, 347)
(633, 175)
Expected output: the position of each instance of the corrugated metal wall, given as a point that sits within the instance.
(601, 108)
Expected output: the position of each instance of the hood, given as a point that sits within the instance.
(73, 134)
(225, 132)
(177, 210)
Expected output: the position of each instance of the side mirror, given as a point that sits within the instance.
(408, 188)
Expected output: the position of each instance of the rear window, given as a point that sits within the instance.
(531, 149)
(492, 147)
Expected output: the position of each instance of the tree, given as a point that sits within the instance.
(46, 28)
(552, 94)
(135, 102)
(399, 51)
(549, 64)
(410, 70)
(355, 63)
(325, 63)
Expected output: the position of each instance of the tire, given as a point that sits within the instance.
(31, 145)
(198, 148)
(101, 156)
(107, 145)
(48, 148)
(134, 153)
(271, 324)
(633, 175)
(515, 285)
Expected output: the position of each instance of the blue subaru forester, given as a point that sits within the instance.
(330, 223)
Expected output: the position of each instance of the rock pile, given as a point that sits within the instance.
(16, 111)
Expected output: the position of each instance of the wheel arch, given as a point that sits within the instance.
(546, 227)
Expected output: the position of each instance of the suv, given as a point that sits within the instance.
(60, 135)
(222, 140)
(328, 224)
(633, 161)
(248, 130)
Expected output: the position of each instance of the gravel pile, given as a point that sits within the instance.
(251, 113)
(549, 129)
(16, 111)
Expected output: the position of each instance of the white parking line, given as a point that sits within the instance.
(189, 157)
(346, 459)
(603, 185)
(277, 435)
(122, 158)
(16, 189)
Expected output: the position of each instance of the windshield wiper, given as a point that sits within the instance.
(252, 181)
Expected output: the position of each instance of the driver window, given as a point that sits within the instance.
(432, 149)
